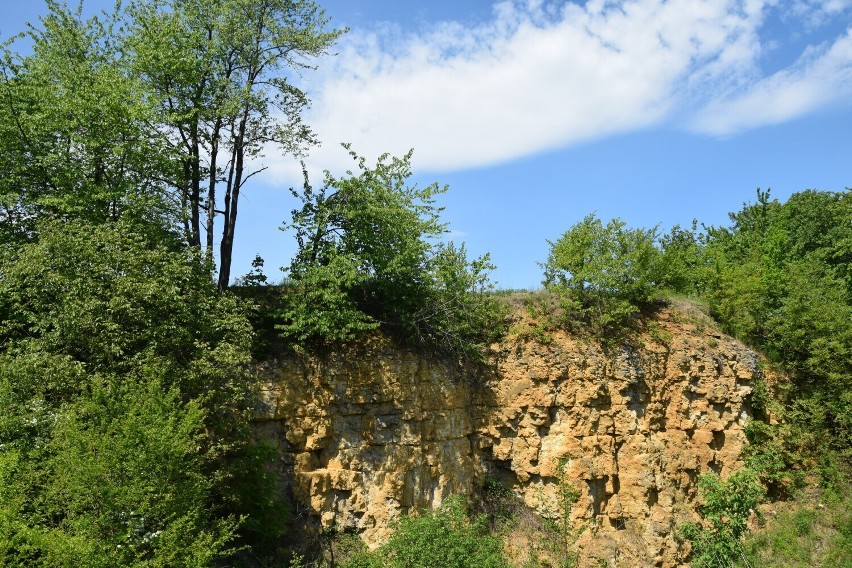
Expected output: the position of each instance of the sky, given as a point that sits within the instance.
(537, 113)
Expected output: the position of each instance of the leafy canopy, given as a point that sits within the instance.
(604, 273)
(125, 402)
(216, 73)
(779, 278)
(158, 110)
(73, 137)
(369, 256)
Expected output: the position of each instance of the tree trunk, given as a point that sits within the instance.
(232, 198)
(211, 187)
(195, 185)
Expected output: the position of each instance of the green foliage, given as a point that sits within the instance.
(551, 539)
(605, 273)
(446, 537)
(545, 311)
(368, 256)
(122, 471)
(780, 280)
(215, 74)
(360, 230)
(811, 531)
(559, 547)
(459, 315)
(250, 494)
(255, 277)
(106, 298)
(772, 456)
(73, 140)
(122, 378)
(498, 502)
(683, 262)
(724, 517)
(155, 112)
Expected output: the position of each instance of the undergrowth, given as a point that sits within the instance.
(813, 530)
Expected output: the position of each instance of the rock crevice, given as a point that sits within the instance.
(372, 431)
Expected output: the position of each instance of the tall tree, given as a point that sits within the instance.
(217, 71)
(72, 142)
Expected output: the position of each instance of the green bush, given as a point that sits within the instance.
(447, 538)
(779, 279)
(369, 256)
(119, 482)
(727, 506)
(603, 273)
(683, 262)
(771, 454)
(124, 437)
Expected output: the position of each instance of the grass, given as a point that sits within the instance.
(813, 530)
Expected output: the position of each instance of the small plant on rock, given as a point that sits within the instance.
(724, 517)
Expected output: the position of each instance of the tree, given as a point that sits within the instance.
(778, 277)
(460, 316)
(160, 110)
(72, 139)
(683, 262)
(364, 243)
(817, 223)
(607, 272)
(124, 435)
(215, 71)
(369, 256)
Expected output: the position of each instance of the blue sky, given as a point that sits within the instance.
(537, 113)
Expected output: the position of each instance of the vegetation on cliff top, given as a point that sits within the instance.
(779, 279)
(370, 256)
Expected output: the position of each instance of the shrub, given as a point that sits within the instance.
(369, 256)
(125, 395)
(447, 538)
(724, 517)
(604, 273)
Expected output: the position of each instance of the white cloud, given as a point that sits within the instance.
(818, 12)
(822, 75)
(541, 75)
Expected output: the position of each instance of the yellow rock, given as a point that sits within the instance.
(372, 431)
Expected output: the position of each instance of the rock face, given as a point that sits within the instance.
(370, 432)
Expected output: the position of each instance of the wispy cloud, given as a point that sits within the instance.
(541, 75)
(822, 76)
(817, 12)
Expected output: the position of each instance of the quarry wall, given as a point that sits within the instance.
(371, 431)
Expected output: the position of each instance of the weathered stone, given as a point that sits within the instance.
(370, 432)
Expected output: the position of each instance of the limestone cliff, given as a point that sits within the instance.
(371, 431)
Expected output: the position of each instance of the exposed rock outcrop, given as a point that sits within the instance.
(372, 431)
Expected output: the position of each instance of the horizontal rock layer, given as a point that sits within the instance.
(369, 432)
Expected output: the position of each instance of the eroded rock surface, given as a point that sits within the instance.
(370, 432)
